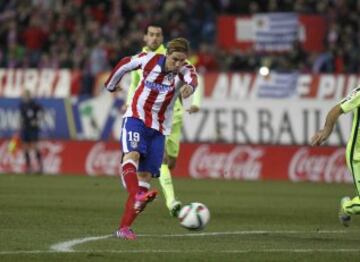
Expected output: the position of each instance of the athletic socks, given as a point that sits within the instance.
(131, 183)
(167, 185)
(352, 207)
(144, 186)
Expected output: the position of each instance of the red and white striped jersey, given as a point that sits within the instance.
(155, 96)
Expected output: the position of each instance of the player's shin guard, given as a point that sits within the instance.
(130, 180)
(167, 185)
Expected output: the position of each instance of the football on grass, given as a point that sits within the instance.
(194, 216)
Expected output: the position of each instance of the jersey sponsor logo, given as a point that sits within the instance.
(159, 87)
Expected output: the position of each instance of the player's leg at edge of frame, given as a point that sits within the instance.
(348, 206)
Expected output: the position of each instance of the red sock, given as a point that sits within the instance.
(127, 220)
(132, 186)
(130, 177)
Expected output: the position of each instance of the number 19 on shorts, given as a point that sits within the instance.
(133, 136)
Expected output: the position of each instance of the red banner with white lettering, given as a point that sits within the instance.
(245, 162)
(217, 161)
(57, 83)
(66, 158)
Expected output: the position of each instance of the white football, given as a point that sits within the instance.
(194, 216)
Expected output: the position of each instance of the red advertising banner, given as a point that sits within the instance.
(245, 86)
(217, 161)
(42, 83)
(262, 33)
(245, 162)
(67, 158)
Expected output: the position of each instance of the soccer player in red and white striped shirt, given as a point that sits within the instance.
(148, 119)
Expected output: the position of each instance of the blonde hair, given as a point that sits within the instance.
(178, 45)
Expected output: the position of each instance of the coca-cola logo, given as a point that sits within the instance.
(242, 162)
(305, 166)
(15, 162)
(102, 161)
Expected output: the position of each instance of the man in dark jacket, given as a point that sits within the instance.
(30, 114)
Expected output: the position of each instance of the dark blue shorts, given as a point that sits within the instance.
(135, 136)
(29, 135)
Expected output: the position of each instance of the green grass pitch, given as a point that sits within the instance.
(252, 221)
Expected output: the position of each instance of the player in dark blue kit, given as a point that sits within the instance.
(30, 114)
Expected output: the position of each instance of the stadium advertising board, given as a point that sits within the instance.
(248, 162)
(216, 161)
(66, 157)
(41, 83)
(91, 118)
(54, 121)
(279, 109)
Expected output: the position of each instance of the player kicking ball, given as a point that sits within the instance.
(153, 38)
(147, 121)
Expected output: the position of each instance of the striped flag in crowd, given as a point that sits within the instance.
(275, 31)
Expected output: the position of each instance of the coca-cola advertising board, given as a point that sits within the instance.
(249, 162)
(198, 161)
(66, 158)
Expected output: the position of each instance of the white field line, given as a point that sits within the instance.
(149, 251)
(245, 232)
(68, 246)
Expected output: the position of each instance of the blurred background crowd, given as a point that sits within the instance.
(91, 35)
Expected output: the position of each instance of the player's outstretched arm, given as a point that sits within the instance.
(125, 65)
(196, 100)
(190, 78)
(324, 133)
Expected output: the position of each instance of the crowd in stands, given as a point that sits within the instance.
(92, 35)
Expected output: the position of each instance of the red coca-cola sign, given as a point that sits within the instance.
(66, 158)
(319, 167)
(241, 162)
(219, 161)
(15, 162)
(102, 160)
(248, 162)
